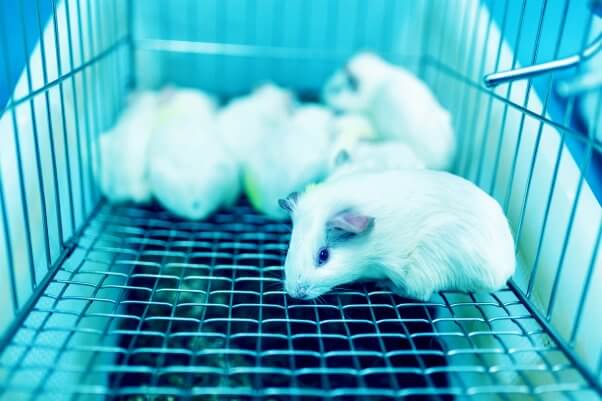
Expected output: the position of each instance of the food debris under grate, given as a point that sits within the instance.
(216, 316)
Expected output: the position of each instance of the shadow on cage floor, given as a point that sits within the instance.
(205, 318)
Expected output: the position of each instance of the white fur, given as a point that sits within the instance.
(373, 157)
(399, 105)
(246, 123)
(191, 172)
(296, 157)
(432, 231)
(123, 150)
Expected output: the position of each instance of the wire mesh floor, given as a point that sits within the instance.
(152, 308)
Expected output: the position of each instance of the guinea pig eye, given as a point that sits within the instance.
(323, 255)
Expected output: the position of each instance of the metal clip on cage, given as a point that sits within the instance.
(128, 303)
(502, 77)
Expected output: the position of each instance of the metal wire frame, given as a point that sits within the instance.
(85, 56)
(128, 258)
(153, 305)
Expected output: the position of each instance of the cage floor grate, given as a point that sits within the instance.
(148, 307)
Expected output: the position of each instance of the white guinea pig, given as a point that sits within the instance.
(123, 174)
(422, 230)
(399, 105)
(294, 158)
(191, 173)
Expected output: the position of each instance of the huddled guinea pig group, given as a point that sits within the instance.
(362, 175)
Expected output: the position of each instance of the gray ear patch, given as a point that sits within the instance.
(352, 81)
(336, 235)
(342, 158)
(289, 202)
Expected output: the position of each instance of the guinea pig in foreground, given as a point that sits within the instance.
(422, 230)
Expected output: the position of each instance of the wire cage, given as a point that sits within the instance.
(124, 302)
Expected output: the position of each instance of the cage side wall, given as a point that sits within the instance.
(69, 90)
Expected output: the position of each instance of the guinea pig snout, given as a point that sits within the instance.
(299, 291)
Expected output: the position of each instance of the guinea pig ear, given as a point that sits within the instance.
(289, 202)
(342, 158)
(352, 80)
(348, 224)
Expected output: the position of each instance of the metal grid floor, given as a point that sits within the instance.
(147, 307)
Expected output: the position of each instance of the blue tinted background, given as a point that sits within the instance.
(20, 31)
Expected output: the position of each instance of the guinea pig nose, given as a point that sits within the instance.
(301, 291)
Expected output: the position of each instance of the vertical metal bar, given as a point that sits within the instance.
(486, 135)
(118, 78)
(221, 36)
(276, 38)
(251, 33)
(442, 41)
(92, 187)
(586, 288)
(22, 188)
(424, 39)
(57, 49)
(502, 130)
(567, 117)
(359, 39)
(567, 236)
(12, 285)
(258, 346)
(132, 83)
(462, 146)
(5, 223)
(94, 91)
(399, 9)
(193, 35)
(78, 133)
(386, 33)
(302, 36)
(475, 114)
(57, 197)
(165, 31)
(331, 32)
(523, 116)
(103, 37)
(540, 129)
